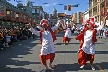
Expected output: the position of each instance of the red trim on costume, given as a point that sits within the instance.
(64, 39)
(83, 57)
(43, 58)
(52, 33)
(50, 56)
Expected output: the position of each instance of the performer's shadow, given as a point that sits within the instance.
(75, 43)
(66, 67)
(72, 67)
(66, 44)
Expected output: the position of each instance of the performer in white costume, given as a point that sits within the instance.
(67, 36)
(87, 40)
(47, 38)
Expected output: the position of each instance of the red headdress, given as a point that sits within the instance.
(44, 22)
(68, 26)
(92, 22)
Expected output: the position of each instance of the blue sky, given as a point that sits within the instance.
(60, 8)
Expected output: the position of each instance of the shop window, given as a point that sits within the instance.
(17, 15)
(8, 13)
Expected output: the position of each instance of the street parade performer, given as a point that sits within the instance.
(47, 38)
(87, 40)
(67, 35)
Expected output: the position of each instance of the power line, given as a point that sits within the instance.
(41, 1)
(41, 5)
(38, 3)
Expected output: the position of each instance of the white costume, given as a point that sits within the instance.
(47, 40)
(68, 33)
(88, 47)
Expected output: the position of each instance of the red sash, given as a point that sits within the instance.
(52, 33)
(80, 37)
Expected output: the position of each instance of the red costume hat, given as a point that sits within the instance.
(92, 22)
(68, 25)
(44, 22)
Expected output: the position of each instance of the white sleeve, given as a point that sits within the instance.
(55, 27)
(35, 32)
(39, 27)
(64, 27)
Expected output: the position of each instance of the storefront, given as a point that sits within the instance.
(13, 16)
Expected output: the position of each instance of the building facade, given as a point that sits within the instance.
(11, 15)
(38, 12)
(85, 15)
(98, 9)
(76, 17)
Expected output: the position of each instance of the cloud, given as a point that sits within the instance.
(51, 3)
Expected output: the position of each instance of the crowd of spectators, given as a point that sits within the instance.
(10, 35)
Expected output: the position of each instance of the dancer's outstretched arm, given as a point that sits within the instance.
(33, 30)
(57, 25)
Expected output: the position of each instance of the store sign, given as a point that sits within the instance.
(1, 10)
(53, 17)
(68, 16)
(61, 14)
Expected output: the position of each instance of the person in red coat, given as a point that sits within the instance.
(87, 40)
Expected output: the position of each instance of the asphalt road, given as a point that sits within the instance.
(23, 57)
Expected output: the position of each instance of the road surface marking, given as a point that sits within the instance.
(101, 70)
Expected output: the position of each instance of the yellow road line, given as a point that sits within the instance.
(101, 70)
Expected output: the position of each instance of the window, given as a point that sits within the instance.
(33, 10)
(37, 10)
(107, 4)
(8, 12)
